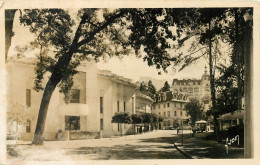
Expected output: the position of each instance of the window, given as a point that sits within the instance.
(133, 105)
(164, 114)
(28, 126)
(74, 94)
(181, 105)
(72, 123)
(124, 106)
(168, 104)
(101, 124)
(101, 104)
(168, 123)
(181, 113)
(164, 98)
(196, 90)
(28, 97)
(169, 113)
(190, 90)
(117, 106)
(164, 105)
(175, 113)
(159, 98)
(158, 106)
(159, 113)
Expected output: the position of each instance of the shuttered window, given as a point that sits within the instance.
(28, 97)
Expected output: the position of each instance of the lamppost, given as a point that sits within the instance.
(182, 131)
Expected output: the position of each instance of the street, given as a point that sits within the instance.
(152, 145)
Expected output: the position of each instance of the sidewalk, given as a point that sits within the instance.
(199, 148)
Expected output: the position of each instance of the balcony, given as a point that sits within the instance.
(74, 109)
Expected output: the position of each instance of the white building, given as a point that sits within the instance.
(196, 88)
(95, 97)
(170, 105)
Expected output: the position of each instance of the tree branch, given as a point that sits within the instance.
(196, 51)
(87, 52)
(91, 35)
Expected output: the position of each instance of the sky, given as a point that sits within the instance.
(129, 66)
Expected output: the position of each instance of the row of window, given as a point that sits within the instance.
(187, 83)
(169, 113)
(190, 89)
(74, 96)
(179, 105)
(101, 102)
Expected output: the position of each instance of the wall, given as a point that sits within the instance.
(20, 76)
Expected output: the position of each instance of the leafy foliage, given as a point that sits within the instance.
(64, 41)
(166, 87)
(121, 117)
(148, 89)
(194, 109)
(136, 119)
(147, 118)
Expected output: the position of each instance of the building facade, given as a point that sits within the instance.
(94, 98)
(196, 88)
(143, 103)
(170, 105)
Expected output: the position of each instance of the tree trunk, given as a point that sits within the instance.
(134, 130)
(238, 52)
(50, 87)
(212, 86)
(9, 19)
(121, 129)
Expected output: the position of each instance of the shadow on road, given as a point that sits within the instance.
(123, 152)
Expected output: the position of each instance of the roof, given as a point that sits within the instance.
(171, 96)
(143, 96)
(117, 78)
(238, 114)
(201, 122)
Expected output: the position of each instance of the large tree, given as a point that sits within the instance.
(194, 109)
(148, 89)
(166, 87)
(121, 118)
(210, 29)
(9, 19)
(87, 34)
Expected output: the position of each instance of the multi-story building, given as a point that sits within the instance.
(197, 88)
(94, 98)
(143, 103)
(170, 105)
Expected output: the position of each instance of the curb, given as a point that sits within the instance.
(183, 152)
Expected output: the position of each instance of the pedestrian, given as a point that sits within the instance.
(177, 130)
(193, 131)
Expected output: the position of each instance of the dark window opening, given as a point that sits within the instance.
(101, 124)
(117, 106)
(72, 123)
(101, 104)
(28, 97)
(74, 95)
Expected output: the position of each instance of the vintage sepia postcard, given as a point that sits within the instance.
(155, 82)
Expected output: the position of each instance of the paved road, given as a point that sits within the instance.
(153, 145)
